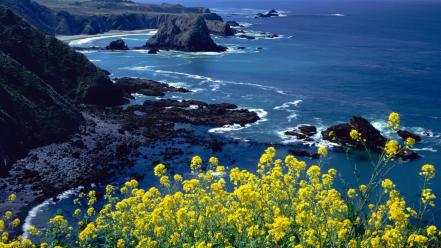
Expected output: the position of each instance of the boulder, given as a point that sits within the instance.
(190, 35)
(117, 45)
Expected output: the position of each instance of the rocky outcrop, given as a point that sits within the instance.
(195, 112)
(117, 45)
(145, 87)
(303, 132)
(340, 134)
(190, 35)
(271, 13)
(371, 137)
(69, 73)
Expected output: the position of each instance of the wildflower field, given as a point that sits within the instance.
(285, 203)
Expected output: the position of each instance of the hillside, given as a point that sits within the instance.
(71, 17)
(40, 79)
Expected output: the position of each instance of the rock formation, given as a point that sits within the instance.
(190, 35)
(117, 45)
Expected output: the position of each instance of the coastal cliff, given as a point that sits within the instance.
(93, 17)
(40, 80)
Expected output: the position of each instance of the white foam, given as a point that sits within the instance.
(430, 149)
(245, 24)
(37, 209)
(286, 105)
(236, 127)
(205, 79)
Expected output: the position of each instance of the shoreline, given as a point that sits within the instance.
(70, 38)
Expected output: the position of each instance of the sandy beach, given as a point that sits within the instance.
(70, 38)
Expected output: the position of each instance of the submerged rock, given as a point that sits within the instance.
(190, 35)
(117, 45)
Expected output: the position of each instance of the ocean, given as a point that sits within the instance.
(331, 61)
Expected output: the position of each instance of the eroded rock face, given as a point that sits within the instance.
(190, 35)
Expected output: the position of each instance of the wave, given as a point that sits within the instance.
(205, 79)
(236, 127)
(35, 210)
(286, 105)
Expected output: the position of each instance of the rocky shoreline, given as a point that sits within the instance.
(106, 140)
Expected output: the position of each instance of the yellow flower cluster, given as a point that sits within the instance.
(286, 203)
(393, 120)
(391, 148)
(355, 135)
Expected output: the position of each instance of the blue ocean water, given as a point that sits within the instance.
(332, 60)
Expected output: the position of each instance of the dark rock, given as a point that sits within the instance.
(117, 45)
(145, 87)
(241, 48)
(233, 23)
(195, 112)
(190, 35)
(308, 130)
(406, 134)
(248, 37)
(373, 138)
(271, 13)
(303, 132)
(153, 51)
(303, 153)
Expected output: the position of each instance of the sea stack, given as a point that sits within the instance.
(190, 35)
